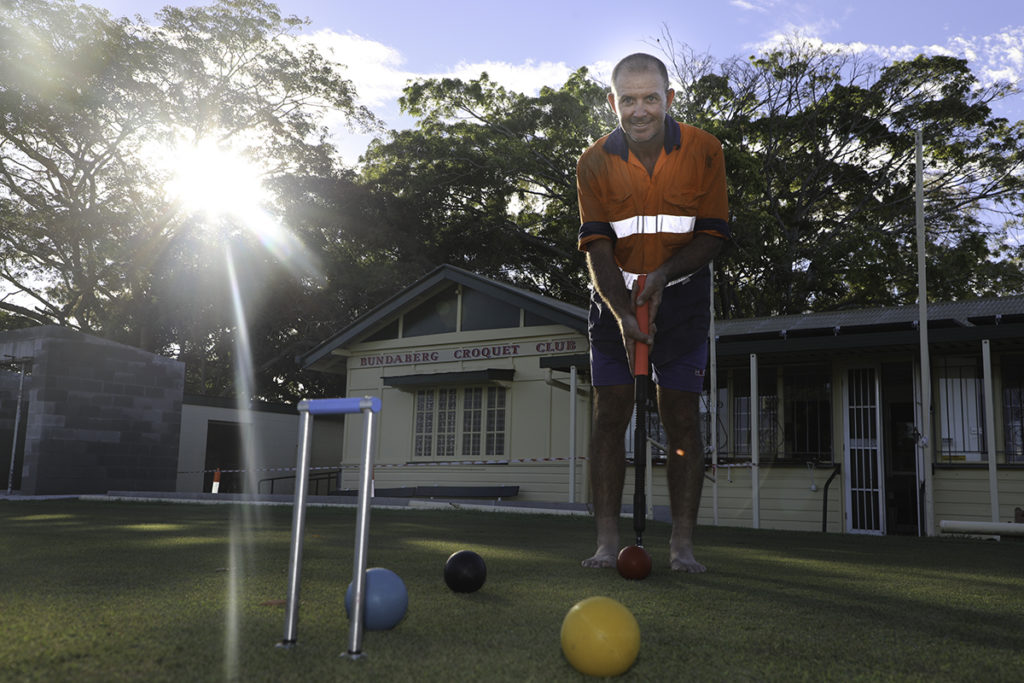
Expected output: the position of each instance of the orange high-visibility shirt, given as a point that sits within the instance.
(650, 216)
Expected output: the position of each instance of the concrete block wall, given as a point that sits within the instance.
(100, 416)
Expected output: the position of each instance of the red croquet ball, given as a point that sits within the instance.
(634, 562)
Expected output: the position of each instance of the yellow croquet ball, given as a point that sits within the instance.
(600, 637)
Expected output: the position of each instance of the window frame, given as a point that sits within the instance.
(780, 387)
(960, 412)
(478, 417)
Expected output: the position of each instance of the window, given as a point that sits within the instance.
(722, 414)
(389, 331)
(1013, 410)
(794, 414)
(434, 423)
(482, 312)
(426, 413)
(437, 315)
(739, 416)
(807, 414)
(961, 417)
(445, 442)
(479, 433)
(472, 409)
(767, 427)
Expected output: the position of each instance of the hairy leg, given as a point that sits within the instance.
(681, 416)
(613, 407)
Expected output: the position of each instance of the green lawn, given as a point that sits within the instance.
(98, 591)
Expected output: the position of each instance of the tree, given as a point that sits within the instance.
(488, 177)
(91, 110)
(820, 156)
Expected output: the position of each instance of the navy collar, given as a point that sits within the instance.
(616, 142)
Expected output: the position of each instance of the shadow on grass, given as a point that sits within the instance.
(145, 591)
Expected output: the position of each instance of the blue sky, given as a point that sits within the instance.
(529, 43)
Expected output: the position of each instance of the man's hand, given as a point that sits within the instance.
(607, 279)
(685, 261)
(652, 292)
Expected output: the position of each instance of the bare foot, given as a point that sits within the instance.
(681, 559)
(606, 556)
(599, 561)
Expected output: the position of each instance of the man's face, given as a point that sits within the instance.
(640, 101)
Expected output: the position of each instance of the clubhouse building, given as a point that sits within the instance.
(816, 422)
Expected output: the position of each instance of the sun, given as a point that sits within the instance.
(212, 178)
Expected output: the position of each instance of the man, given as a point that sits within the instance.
(652, 198)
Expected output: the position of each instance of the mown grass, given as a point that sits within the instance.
(105, 591)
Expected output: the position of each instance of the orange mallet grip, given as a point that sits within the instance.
(640, 355)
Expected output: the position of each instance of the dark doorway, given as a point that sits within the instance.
(899, 448)
(223, 451)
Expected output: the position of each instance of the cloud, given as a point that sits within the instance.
(762, 6)
(378, 72)
(1000, 55)
(995, 57)
(374, 68)
(527, 77)
(379, 75)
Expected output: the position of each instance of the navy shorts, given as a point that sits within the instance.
(682, 373)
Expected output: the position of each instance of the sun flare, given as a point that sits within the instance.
(210, 178)
(216, 181)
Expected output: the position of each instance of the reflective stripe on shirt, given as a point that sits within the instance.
(641, 225)
(630, 278)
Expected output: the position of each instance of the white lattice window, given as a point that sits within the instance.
(466, 422)
(961, 417)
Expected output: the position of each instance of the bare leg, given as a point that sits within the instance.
(613, 407)
(681, 416)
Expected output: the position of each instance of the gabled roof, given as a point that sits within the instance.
(440, 278)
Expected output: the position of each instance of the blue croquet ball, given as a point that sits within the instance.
(465, 571)
(386, 599)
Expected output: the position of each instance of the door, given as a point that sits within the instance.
(899, 448)
(223, 451)
(865, 496)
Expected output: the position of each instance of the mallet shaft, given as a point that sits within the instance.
(641, 369)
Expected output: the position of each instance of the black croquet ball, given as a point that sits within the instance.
(465, 571)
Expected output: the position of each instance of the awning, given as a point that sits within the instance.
(490, 375)
(580, 360)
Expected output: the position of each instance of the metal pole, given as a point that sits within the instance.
(713, 401)
(572, 432)
(355, 639)
(17, 423)
(990, 429)
(924, 470)
(291, 619)
(755, 444)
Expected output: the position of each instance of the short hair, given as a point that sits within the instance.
(639, 62)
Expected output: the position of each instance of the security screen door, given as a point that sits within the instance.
(865, 509)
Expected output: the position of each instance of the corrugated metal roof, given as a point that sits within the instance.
(963, 313)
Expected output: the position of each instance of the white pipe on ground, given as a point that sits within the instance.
(948, 526)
